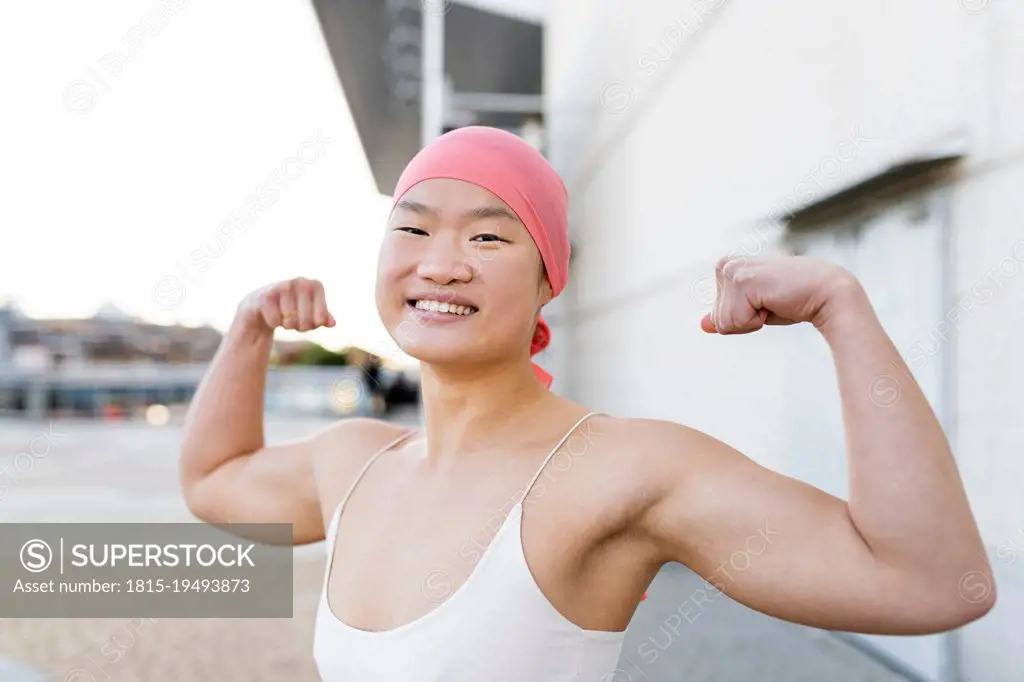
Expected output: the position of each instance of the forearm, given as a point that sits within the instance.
(225, 417)
(906, 497)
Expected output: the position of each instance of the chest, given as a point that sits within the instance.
(407, 541)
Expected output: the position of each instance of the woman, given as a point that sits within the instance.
(514, 535)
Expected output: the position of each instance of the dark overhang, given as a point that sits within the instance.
(931, 165)
(493, 65)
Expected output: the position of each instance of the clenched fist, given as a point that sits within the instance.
(774, 290)
(297, 304)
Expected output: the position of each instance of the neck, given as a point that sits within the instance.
(467, 411)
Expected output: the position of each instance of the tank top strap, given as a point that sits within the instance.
(333, 526)
(551, 454)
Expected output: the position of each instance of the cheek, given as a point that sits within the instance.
(389, 273)
(511, 286)
(391, 262)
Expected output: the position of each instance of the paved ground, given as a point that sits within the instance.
(97, 472)
(686, 633)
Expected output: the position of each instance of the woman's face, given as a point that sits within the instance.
(452, 244)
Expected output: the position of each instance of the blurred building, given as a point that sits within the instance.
(108, 336)
(113, 366)
(109, 364)
(884, 136)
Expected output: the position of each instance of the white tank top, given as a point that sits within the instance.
(497, 627)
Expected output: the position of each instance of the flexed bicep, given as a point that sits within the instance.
(777, 544)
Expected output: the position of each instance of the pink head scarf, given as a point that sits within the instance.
(519, 175)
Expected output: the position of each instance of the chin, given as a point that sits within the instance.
(435, 354)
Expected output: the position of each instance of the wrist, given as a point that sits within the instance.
(846, 306)
(250, 330)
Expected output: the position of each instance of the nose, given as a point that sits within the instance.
(444, 262)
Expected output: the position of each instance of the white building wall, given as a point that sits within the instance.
(680, 126)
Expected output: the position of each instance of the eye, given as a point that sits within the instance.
(406, 228)
(496, 238)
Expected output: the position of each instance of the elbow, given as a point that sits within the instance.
(188, 481)
(977, 593)
(964, 614)
(938, 604)
(203, 506)
(193, 493)
(973, 598)
(190, 490)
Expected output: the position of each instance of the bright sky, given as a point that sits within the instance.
(122, 162)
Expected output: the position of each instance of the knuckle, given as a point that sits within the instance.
(732, 266)
(740, 274)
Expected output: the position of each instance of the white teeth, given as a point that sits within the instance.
(442, 307)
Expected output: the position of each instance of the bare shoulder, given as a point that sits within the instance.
(652, 456)
(341, 450)
(650, 439)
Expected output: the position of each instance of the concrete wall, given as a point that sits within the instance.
(681, 126)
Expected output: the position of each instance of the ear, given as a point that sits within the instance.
(545, 284)
(546, 292)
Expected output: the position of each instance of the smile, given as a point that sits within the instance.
(430, 306)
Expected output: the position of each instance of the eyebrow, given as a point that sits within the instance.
(415, 207)
(478, 213)
(493, 212)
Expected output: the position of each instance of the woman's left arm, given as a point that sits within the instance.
(902, 556)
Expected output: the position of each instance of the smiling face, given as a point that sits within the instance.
(459, 278)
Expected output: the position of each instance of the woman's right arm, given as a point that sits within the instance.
(228, 473)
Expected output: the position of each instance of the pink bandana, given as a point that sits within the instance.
(519, 175)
